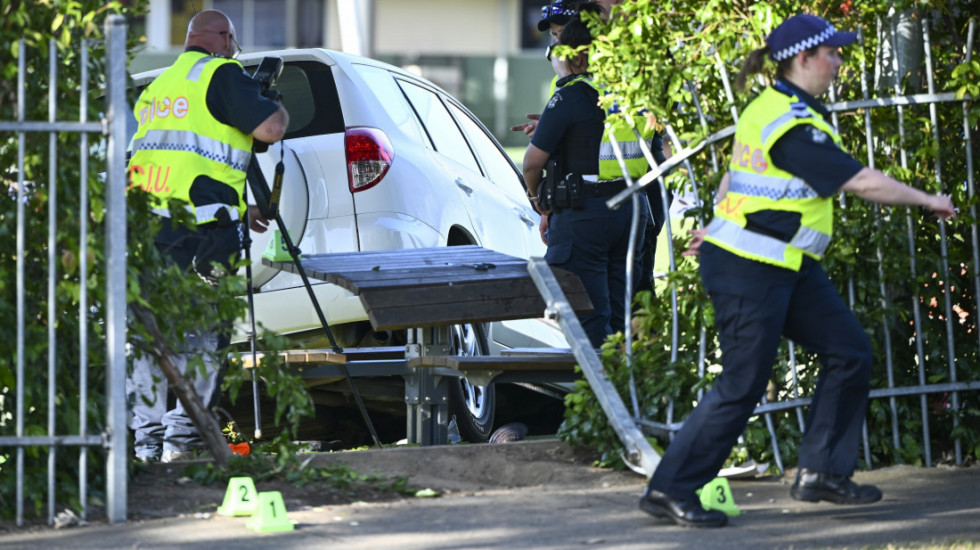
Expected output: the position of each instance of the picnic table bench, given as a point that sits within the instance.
(426, 291)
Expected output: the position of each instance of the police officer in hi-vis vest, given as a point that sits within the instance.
(583, 235)
(197, 122)
(760, 264)
(554, 17)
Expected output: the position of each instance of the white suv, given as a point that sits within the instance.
(377, 158)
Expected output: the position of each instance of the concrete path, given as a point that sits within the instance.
(921, 506)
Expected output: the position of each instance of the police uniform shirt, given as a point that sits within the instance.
(573, 111)
(234, 99)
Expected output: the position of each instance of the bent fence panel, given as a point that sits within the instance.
(929, 351)
(110, 313)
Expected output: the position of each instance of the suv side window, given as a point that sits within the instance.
(390, 96)
(439, 124)
(499, 168)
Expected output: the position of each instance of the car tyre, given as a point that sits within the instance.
(473, 406)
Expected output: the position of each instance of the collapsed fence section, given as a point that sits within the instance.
(914, 282)
(71, 272)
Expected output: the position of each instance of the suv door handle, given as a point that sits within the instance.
(525, 217)
(462, 185)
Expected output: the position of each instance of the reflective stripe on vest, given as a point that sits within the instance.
(755, 185)
(178, 139)
(191, 142)
(764, 246)
(202, 213)
(770, 187)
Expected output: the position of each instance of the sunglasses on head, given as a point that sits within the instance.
(557, 8)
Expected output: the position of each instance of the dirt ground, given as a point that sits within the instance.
(163, 490)
(166, 490)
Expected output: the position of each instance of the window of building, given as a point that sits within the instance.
(531, 37)
(181, 12)
(309, 23)
(260, 24)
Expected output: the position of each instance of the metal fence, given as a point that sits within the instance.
(112, 129)
(907, 108)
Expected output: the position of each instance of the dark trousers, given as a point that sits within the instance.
(655, 224)
(158, 429)
(755, 305)
(592, 243)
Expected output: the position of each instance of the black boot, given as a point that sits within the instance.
(816, 486)
(686, 513)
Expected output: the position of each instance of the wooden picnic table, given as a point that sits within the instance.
(424, 287)
(427, 291)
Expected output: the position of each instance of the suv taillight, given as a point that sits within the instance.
(369, 156)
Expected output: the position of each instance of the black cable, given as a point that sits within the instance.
(260, 188)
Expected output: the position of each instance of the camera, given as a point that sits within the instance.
(266, 74)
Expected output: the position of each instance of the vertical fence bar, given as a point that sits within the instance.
(776, 455)
(115, 223)
(19, 410)
(52, 266)
(630, 263)
(910, 225)
(944, 259)
(675, 322)
(83, 289)
(713, 150)
(880, 255)
(842, 197)
(970, 183)
(715, 165)
(796, 386)
(726, 83)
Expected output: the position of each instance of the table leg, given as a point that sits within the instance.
(427, 394)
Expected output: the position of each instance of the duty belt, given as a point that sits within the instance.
(604, 188)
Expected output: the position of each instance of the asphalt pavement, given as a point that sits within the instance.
(593, 508)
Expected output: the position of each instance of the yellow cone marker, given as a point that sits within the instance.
(270, 515)
(276, 251)
(717, 495)
(240, 498)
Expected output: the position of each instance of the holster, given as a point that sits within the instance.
(563, 194)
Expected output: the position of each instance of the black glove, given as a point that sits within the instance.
(274, 95)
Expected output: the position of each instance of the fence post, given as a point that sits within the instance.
(115, 223)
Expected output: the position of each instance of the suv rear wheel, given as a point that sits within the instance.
(473, 406)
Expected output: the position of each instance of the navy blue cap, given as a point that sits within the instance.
(559, 13)
(802, 32)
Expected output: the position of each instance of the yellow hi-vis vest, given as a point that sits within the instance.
(178, 139)
(756, 184)
(629, 145)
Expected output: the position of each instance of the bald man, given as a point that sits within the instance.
(197, 124)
